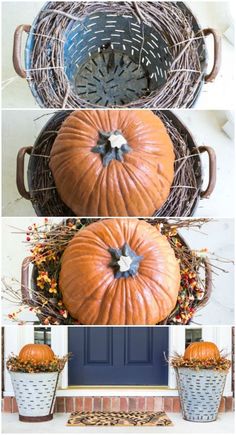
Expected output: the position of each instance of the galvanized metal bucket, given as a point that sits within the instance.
(35, 395)
(200, 393)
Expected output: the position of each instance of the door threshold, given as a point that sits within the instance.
(98, 391)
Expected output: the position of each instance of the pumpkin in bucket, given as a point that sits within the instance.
(202, 350)
(117, 272)
(113, 162)
(36, 353)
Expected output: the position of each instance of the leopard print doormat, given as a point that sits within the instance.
(135, 418)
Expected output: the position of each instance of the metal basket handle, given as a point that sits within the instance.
(217, 53)
(212, 170)
(17, 44)
(25, 280)
(208, 283)
(20, 166)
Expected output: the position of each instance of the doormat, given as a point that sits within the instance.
(135, 418)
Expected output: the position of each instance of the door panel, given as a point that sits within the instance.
(97, 346)
(138, 347)
(118, 356)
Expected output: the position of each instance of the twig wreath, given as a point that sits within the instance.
(48, 241)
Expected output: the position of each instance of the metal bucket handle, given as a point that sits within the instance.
(212, 170)
(17, 44)
(217, 53)
(20, 167)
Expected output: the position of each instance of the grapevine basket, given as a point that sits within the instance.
(200, 393)
(35, 395)
(29, 274)
(186, 190)
(115, 54)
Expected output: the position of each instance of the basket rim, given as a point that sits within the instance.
(211, 371)
(32, 374)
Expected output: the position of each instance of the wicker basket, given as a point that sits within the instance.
(139, 54)
(35, 395)
(200, 393)
(182, 201)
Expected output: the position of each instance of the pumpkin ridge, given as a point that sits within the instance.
(162, 271)
(121, 189)
(86, 195)
(136, 181)
(109, 204)
(156, 185)
(89, 237)
(96, 194)
(107, 229)
(133, 159)
(77, 313)
(129, 306)
(77, 206)
(122, 305)
(161, 287)
(87, 119)
(83, 198)
(111, 292)
(156, 296)
(114, 303)
(115, 192)
(143, 296)
(81, 124)
(70, 160)
(106, 198)
(86, 236)
(68, 134)
(105, 209)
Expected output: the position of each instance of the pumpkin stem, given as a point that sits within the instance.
(112, 146)
(124, 261)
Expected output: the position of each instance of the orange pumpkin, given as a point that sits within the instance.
(202, 350)
(36, 352)
(113, 162)
(119, 272)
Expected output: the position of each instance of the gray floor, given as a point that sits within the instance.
(224, 424)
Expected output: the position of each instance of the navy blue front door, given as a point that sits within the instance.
(118, 356)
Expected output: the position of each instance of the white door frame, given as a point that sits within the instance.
(15, 338)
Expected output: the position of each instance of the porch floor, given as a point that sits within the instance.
(224, 424)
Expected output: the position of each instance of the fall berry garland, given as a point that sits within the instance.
(49, 241)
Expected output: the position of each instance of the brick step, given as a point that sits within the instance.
(122, 403)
